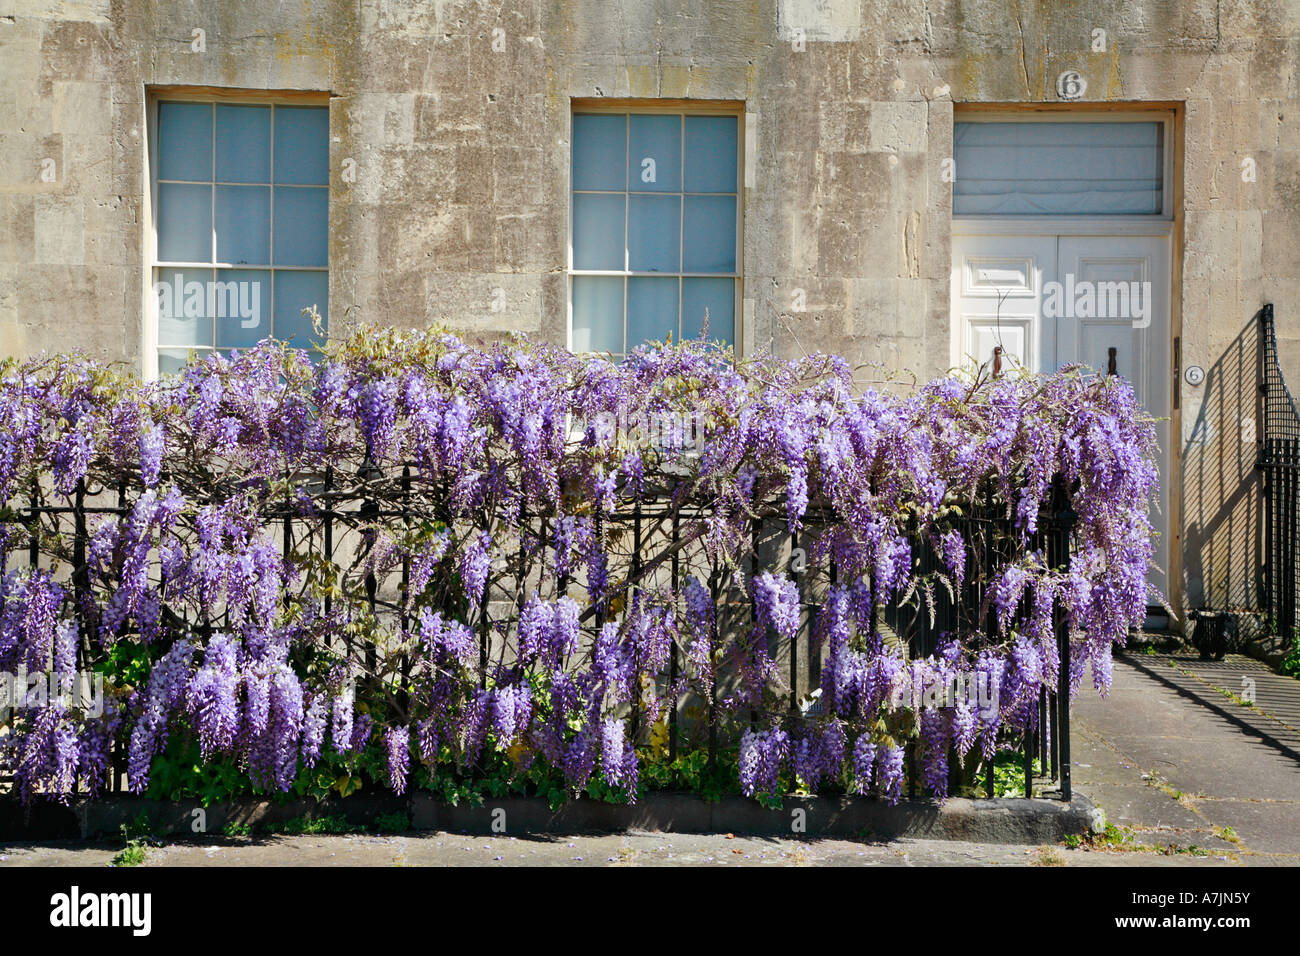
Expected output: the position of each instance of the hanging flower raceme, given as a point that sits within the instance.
(763, 754)
(167, 685)
(777, 601)
(413, 548)
(212, 697)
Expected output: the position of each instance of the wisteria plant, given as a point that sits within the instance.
(408, 559)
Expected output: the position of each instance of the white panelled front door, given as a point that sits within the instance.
(997, 289)
(1064, 295)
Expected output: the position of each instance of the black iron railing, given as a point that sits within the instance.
(659, 544)
(1279, 463)
(1241, 500)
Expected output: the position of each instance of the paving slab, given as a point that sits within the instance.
(1275, 695)
(1223, 768)
(1172, 754)
(1261, 825)
(1144, 806)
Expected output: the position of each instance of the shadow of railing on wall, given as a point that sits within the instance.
(1241, 494)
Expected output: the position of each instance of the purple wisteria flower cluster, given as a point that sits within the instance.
(484, 592)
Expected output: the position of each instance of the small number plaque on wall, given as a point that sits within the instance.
(1070, 85)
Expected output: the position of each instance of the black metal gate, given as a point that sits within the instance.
(1279, 464)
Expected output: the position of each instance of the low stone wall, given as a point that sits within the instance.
(1010, 820)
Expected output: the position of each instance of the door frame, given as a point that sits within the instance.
(1169, 222)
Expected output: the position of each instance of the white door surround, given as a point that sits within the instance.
(1080, 198)
(1002, 294)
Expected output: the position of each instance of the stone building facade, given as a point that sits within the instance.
(450, 165)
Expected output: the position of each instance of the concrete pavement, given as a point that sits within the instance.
(1178, 757)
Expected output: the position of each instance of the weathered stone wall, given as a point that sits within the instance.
(462, 164)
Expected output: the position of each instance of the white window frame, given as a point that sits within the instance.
(1022, 224)
(1128, 224)
(673, 108)
(149, 324)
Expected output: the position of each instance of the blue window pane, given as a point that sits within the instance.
(709, 234)
(597, 231)
(244, 224)
(185, 141)
(302, 145)
(183, 314)
(597, 314)
(301, 226)
(651, 310)
(244, 144)
(718, 296)
(654, 154)
(295, 291)
(711, 154)
(171, 361)
(599, 151)
(654, 233)
(184, 223)
(242, 299)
